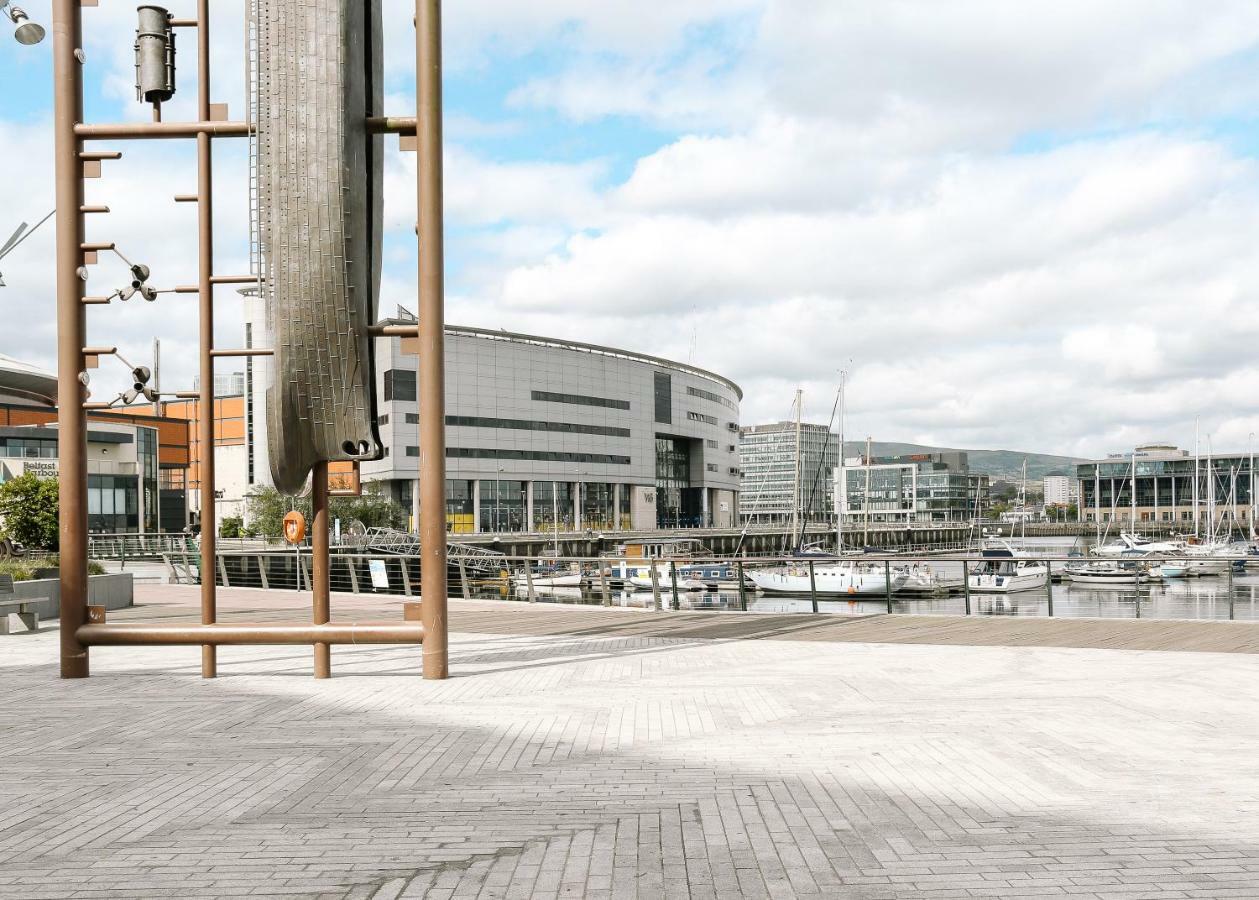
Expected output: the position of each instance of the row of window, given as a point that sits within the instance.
(28, 448)
(411, 419)
(531, 425)
(709, 395)
(539, 455)
(579, 399)
(700, 417)
(399, 385)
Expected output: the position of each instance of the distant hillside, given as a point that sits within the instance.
(1007, 463)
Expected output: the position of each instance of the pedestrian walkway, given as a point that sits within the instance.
(607, 753)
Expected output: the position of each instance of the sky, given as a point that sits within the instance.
(1016, 225)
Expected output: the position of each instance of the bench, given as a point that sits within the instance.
(23, 609)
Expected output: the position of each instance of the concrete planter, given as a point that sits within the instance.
(111, 591)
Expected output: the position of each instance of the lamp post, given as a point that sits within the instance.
(498, 497)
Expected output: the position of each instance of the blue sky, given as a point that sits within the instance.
(1027, 225)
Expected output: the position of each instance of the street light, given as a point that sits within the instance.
(27, 31)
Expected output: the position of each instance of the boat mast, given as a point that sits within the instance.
(841, 486)
(866, 504)
(1097, 499)
(1197, 473)
(1251, 517)
(1210, 493)
(795, 490)
(555, 515)
(1132, 494)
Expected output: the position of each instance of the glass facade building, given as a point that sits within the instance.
(768, 462)
(921, 488)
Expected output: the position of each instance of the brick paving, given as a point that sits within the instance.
(579, 759)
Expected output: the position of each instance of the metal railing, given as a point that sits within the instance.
(670, 586)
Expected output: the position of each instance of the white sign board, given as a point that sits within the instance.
(380, 577)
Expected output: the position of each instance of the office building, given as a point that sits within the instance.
(780, 478)
(912, 489)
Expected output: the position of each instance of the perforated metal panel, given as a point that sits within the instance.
(317, 77)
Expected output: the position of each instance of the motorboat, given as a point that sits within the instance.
(841, 579)
(548, 578)
(1003, 570)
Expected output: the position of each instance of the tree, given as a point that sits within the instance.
(266, 508)
(28, 508)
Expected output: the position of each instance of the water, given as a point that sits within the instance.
(1215, 597)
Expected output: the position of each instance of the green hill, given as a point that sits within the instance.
(1006, 463)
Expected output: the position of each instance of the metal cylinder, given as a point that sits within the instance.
(320, 583)
(155, 55)
(218, 635)
(71, 336)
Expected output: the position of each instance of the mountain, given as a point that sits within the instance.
(996, 463)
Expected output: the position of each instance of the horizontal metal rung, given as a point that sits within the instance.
(353, 633)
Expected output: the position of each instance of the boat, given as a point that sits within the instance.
(548, 578)
(841, 579)
(924, 580)
(1002, 570)
(1107, 572)
(1177, 568)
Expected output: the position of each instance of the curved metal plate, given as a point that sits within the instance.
(319, 76)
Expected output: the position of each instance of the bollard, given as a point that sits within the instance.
(743, 591)
(812, 587)
(533, 597)
(1136, 586)
(603, 585)
(887, 583)
(655, 586)
(673, 577)
(1049, 587)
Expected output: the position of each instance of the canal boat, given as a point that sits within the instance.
(842, 579)
(1002, 570)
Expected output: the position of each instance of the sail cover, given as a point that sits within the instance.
(317, 77)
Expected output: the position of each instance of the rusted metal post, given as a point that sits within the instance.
(320, 583)
(673, 579)
(431, 368)
(655, 586)
(966, 583)
(205, 303)
(743, 591)
(71, 336)
(603, 584)
(533, 597)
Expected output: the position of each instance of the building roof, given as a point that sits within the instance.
(580, 347)
(25, 381)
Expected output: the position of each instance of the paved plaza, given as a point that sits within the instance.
(626, 753)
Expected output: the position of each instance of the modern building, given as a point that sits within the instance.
(780, 478)
(136, 463)
(1061, 489)
(911, 489)
(231, 485)
(541, 431)
(1174, 486)
(226, 384)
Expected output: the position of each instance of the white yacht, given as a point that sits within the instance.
(842, 578)
(1002, 570)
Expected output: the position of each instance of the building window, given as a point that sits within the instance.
(579, 399)
(700, 417)
(677, 503)
(709, 395)
(528, 425)
(712, 467)
(539, 455)
(399, 385)
(710, 444)
(113, 504)
(382, 419)
(460, 514)
(413, 418)
(598, 506)
(413, 451)
(663, 393)
(502, 505)
(552, 502)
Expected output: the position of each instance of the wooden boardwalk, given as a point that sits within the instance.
(180, 603)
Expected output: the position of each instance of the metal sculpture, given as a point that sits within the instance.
(319, 78)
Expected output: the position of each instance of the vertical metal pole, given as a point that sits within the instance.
(320, 586)
(812, 586)
(655, 585)
(432, 362)
(71, 337)
(529, 582)
(966, 584)
(1049, 587)
(887, 583)
(673, 577)
(603, 584)
(1136, 586)
(463, 580)
(743, 593)
(205, 424)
